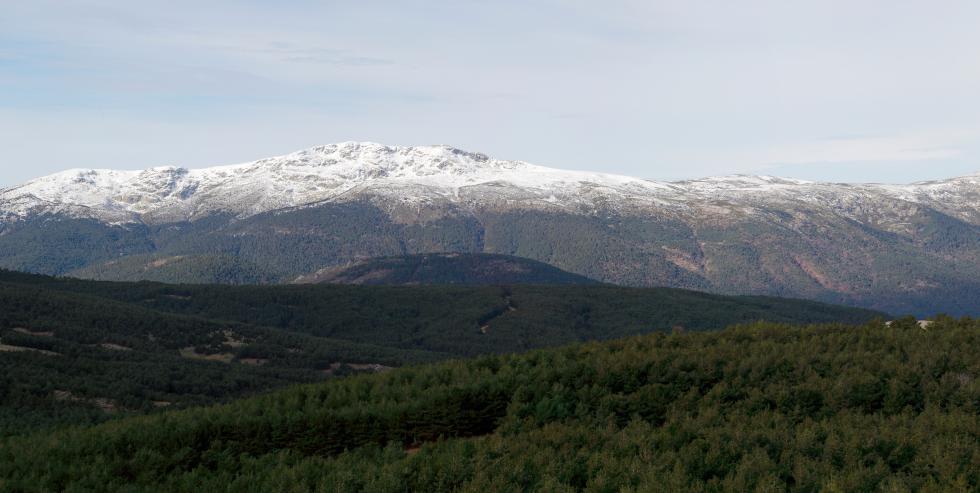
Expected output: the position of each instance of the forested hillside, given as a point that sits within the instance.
(68, 358)
(459, 320)
(187, 269)
(761, 407)
(83, 351)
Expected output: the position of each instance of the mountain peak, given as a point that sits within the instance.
(742, 181)
(422, 176)
(384, 160)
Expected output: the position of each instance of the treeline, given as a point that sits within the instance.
(760, 407)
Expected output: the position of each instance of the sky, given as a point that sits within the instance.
(844, 91)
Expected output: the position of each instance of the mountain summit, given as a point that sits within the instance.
(899, 248)
(331, 172)
(433, 174)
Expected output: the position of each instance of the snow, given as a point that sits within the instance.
(424, 175)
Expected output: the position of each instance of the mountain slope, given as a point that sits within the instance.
(193, 269)
(899, 248)
(446, 268)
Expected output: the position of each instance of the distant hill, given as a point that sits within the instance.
(81, 351)
(447, 268)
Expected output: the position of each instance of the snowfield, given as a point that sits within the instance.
(427, 175)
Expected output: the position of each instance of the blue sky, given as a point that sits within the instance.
(826, 90)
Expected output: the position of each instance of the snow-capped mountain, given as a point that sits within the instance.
(420, 175)
(337, 172)
(909, 247)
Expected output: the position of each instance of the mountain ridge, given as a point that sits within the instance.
(334, 172)
(898, 248)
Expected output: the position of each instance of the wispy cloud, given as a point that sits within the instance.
(293, 52)
(865, 156)
(332, 57)
(667, 89)
(922, 146)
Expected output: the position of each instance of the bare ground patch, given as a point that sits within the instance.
(373, 367)
(253, 361)
(8, 348)
(191, 353)
(36, 333)
(107, 405)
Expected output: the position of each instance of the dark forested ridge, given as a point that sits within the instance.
(761, 407)
(447, 268)
(82, 351)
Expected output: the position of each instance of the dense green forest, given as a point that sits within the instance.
(758, 407)
(458, 320)
(70, 358)
(83, 351)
